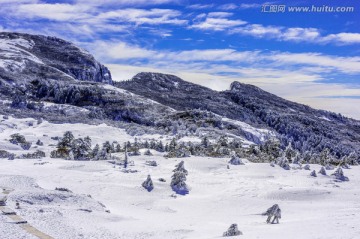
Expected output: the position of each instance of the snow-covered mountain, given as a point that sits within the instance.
(157, 147)
(46, 77)
(305, 128)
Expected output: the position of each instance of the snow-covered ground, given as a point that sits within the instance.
(311, 207)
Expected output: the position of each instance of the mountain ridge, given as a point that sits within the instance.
(36, 71)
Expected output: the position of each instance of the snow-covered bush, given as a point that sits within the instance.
(284, 163)
(39, 143)
(339, 175)
(151, 163)
(4, 154)
(63, 190)
(148, 152)
(19, 139)
(307, 167)
(329, 167)
(232, 231)
(36, 155)
(148, 184)
(322, 171)
(235, 160)
(313, 173)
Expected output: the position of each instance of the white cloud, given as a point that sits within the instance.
(200, 6)
(57, 11)
(250, 5)
(126, 2)
(216, 21)
(295, 34)
(343, 38)
(228, 6)
(143, 16)
(219, 14)
(349, 65)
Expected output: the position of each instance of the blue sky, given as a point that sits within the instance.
(308, 57)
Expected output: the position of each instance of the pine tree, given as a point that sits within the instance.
(223, 141)
(148, 184)
(205, 142)
(178, 179)
(313, 174)
(118, 148)
(325, 157)
(107, 147)
(339, 175)
(126, 159)
(148, 152)
(232, 231)
(235, 160)
(160, 147)
(322, 171)
(64, 145)
(95, 151)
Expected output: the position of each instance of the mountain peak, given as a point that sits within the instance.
(240, 87)
(58, 59)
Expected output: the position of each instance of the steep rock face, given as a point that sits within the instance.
(32, 57)
(305, 128)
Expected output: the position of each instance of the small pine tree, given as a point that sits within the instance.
(39, 143)
(118, 148)
(325, 157)
(307, 167)
(232, 231)
(178, 179)
(313, 174)
(95, 151)
(148, 184)
(322, 171)
(235, 160)
(148, 152)
(205, 142)
(339, 175)
(126, 158)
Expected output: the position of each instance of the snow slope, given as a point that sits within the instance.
(311, 207)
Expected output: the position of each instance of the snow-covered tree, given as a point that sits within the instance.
(178, 179)
(223, 141)
(289, 152)
(81, 149)
(205, 142)
(322, 171)
(339, 175)
(126, 158)
(307, 167)
(232, 231)
(95, 151)
(284, 163)
(64, 145)
(235, 160)
(313, 173)
(324, 157)
(148, 152)
(148, 184)
(108, 147)
(160, 147)
(344, 163)
(39, 143)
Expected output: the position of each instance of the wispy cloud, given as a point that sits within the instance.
(216, 21)
(200, 6)
(228, 6)
(144, 16)
(295, 34)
